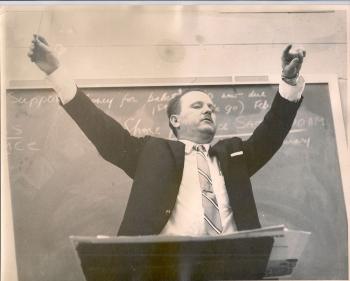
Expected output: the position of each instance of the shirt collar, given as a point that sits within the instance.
(189, 146)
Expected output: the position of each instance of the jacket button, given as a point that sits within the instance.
(168, 212)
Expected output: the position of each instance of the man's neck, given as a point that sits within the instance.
(206, 140)
(190, 144)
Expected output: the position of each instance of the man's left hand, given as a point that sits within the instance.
(292, 62)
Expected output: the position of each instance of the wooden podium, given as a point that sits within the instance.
(166, 258)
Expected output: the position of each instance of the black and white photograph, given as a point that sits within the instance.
(174, 141)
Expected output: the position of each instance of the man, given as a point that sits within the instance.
(187, 186)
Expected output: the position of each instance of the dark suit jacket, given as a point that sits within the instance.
(156, 164)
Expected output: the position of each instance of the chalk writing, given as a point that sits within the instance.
(316, 121)
(298, 141)
(231, 95)
(243, 123)
(164, 97)
(17, 142)
(237, 107)
(127, 99)
(102, 100)
(223, 126)
(20, 145)
(261, 104)
(254, 94)
(158, 107)
(160, 100)
(309, 122)
(18, 100)
(136, 128)
(36, 101)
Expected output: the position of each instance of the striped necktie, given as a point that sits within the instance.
(212, 219)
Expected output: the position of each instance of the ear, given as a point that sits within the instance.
(174, 120)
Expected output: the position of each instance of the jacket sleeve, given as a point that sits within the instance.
(268, 137)
(113, 142)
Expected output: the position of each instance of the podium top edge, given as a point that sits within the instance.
(261, 232)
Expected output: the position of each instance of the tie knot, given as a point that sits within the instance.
(199, 147)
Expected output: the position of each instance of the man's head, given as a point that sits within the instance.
(192, 116)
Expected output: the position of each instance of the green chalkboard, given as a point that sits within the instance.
(61, 186)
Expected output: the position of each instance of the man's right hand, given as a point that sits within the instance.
(42, 55)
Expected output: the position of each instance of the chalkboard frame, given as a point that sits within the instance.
(331, 80)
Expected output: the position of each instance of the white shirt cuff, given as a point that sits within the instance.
(63, 84)
(292, 93)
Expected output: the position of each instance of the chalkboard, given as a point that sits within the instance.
(61, 186)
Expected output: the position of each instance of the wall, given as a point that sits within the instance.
(106, 42)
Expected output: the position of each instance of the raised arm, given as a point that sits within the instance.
(114, 143)
(268, 137)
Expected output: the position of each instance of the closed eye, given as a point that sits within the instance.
(197, 105)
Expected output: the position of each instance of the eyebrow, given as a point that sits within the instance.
(196, 102)
(212, 105)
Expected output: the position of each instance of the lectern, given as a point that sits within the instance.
(270, 252)
(162, 258)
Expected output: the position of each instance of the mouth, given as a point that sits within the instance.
(207, 119)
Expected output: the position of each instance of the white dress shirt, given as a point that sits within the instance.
(187, 218)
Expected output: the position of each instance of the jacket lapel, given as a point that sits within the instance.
(219, 150)
(237, 183)
(178, 150)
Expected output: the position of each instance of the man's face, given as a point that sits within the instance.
(197, 119)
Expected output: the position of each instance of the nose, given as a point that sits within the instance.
(208, 109)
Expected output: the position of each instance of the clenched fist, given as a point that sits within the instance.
(42, 55)
(291, 63)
